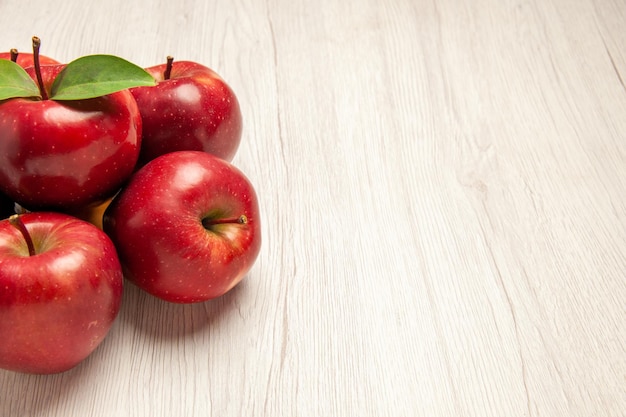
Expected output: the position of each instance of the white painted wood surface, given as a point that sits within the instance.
(443, 186)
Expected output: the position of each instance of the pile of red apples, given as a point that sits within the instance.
(111, 172)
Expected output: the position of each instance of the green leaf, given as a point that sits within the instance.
(98, 75)
(15, 82)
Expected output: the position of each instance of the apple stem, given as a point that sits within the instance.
(36, 46)
(16, 220)
(243, 219)
(168, 68)
(14, 55)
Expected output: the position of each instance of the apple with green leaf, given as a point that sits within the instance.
(70, 135)
(186, 226)
(61, 290)
(190, 108)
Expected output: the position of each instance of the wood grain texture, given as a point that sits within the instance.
(443, 187)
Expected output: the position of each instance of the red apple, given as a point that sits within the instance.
(26, 60)
(186, 227)
(190, 108)
(66, 154)
(61, 288)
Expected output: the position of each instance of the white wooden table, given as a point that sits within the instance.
(443, 187)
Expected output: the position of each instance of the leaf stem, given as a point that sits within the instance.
(207, 223)
(16, 220)
(168, 68)
(36, 46)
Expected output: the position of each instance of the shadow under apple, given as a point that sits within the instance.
(163, 320)
(39, 395)
(141, 316)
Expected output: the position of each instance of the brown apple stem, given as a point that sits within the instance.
(243, 219)
(36, 46)
(168, 68)
(16, 220)
(14, 55)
